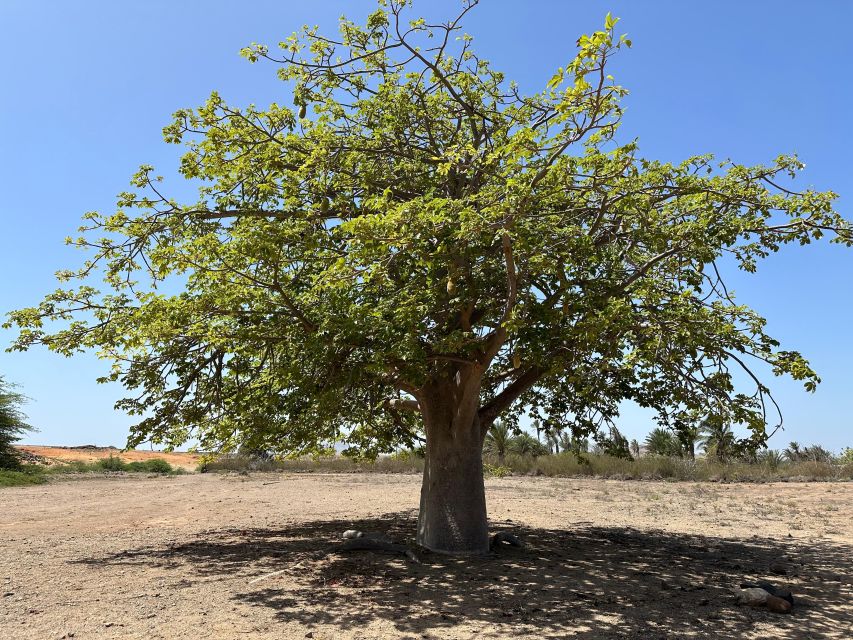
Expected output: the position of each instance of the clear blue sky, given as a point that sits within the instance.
(87, 87)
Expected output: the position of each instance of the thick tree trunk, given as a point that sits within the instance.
(452, 518)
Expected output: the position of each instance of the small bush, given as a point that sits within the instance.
(158, 465)
(112, 463)
(519, 463)
(495, 471)
(155, 465)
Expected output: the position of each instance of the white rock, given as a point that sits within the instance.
(753, 596)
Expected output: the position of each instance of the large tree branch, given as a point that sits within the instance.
(402, 403)
(639, 273)
(491, 410)
(498, 337)
(202, 214)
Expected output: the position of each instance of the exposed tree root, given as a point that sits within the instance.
(361, 541)
(371, 544)
(504, 537)
(372, 541)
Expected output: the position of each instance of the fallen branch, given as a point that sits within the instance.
(269, 575)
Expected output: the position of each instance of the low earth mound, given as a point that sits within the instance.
(91, 453)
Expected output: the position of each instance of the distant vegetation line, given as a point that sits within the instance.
(29, 474)
(566, 464)
(524, 456)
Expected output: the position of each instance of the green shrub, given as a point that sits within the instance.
(519, 463)
(155, 465)
(495, 471)
(158, 465)
(111, 463)
(12, 426)
(23, 476)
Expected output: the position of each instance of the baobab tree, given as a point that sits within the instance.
(418, 247)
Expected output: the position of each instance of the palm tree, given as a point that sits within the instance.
(661, 442)
(770, 458)
(718, 440)
(498, 440)
(817, 453)
(812, 453)
(793, 452)
(552, 439)
(526, 444)
(617, 444)
(565, 442)
(635, 448)
(575, 444)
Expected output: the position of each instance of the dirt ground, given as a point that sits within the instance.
(230, 556)
(188, 461)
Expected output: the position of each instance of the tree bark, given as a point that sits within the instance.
(452, 518)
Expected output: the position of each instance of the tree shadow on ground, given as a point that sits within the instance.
(584, 582)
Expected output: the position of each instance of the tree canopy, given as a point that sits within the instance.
(12, 425)
(415, 217)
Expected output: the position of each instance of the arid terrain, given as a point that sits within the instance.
(60, 455)
(235, 556)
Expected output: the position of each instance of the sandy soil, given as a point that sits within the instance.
(212, 556)
(188, 461)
